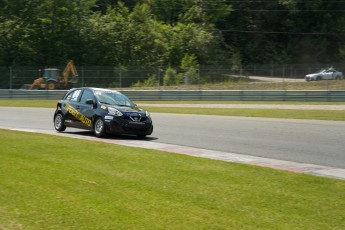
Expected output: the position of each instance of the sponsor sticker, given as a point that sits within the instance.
(132, 114)
(75, 113)
(108, 118)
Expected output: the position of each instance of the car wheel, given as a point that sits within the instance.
(318, 78)
(99, 127)
(59, 123)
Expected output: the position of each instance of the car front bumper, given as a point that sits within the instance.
(308, 78)
(123, 126)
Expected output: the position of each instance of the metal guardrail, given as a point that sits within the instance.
(199, 95)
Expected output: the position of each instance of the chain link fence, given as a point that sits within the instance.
(227, 77)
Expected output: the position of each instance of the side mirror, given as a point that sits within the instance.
(91, 102)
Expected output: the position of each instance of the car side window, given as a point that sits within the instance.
(75, 95)
(87, 94)
(68, 97)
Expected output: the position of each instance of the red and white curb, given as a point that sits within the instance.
(211, 154)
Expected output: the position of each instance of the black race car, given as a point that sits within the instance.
(103, 111)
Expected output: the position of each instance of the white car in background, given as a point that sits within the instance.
(325, 74)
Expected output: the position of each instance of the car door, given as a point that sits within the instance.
(332, 74)
(69, 108)
(86, 111)
(328, 74)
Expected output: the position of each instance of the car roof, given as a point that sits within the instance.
(96, 89)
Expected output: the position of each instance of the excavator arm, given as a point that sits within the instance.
(70, 68)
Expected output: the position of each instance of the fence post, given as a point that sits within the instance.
(113, 84)
(199, 78)
(291, 71)
(120, 74)
(159, 76)
(11, 77)
(82, 76)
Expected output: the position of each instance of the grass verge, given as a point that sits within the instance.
(52, 103)
(247, 102)
(49, 182)
(29, 103)
(335, 115)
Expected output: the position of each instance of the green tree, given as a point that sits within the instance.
(293, 31)
(205, 11)
(316, 27)
(160, 32)
(170, 77)
(42, 32)
(145, 41)
(14, 32)
(104, 37)
(190, 65)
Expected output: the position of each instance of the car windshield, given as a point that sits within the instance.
(113, 98)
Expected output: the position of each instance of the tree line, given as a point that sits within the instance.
(171, 32)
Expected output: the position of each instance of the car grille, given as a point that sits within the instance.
(134, 117)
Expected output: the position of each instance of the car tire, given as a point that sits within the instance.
(59, 123)
(99, 127)
(318, 78)
(51, 85)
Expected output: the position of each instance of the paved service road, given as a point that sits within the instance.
(305, 141)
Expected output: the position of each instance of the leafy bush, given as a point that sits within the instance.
(190, 65)
(150, 82)
(170, 77)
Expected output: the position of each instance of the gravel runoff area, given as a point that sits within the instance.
(251, 106)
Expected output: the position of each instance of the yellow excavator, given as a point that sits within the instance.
(52, 79)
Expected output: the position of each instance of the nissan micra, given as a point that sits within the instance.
(103, 111)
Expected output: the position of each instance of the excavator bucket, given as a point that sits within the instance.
(74, 80)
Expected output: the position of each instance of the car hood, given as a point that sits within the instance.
(126, 109)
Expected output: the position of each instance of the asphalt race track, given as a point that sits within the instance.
(305, 141)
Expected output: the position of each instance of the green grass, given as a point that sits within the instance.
(49, 182)
(246, 102)
(52, 103)
(29, 103)
(336, 115)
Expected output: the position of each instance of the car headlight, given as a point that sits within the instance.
(147, 113)
(114, 112)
